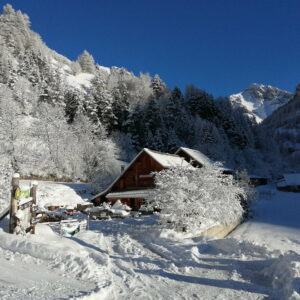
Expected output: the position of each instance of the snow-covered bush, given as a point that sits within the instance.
(251, 195)
(189, 197)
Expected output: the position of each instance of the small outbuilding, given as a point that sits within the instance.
(198, 159)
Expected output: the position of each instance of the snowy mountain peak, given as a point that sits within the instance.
(260, 100)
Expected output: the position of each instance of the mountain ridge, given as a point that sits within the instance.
(260, 100)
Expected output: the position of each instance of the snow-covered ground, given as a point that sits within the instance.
(67, 194)
(276, 221)
(136, 259)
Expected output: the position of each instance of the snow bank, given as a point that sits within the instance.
(275, 221)
(119, 205)
(284, 273)
(235, 247)
(59, 253)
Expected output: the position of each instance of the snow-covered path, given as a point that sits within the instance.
(145, 266)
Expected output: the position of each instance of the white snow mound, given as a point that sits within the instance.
(284, 273)
(234, 247)
(57, 194)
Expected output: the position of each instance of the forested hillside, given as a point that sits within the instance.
(284, 124)
(77, 120)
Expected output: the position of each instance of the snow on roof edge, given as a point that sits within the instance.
(204, 159)
(132, 194)
(158, 157)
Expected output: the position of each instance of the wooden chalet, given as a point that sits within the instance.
(135, 183)
(198, 159)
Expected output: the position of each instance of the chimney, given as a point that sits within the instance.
(122, 168)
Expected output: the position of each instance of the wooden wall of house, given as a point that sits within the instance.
(138, 176)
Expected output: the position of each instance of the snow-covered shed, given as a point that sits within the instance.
(290, 182)
(199, 160)
(136, 182)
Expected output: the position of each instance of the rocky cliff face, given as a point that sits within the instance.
(260, 100)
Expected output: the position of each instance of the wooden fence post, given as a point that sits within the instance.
(14, 202)
(33, 190)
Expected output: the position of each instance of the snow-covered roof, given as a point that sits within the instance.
(130, 194)
(290, 179)
(201, 158)
(167, 160)
(197, 156)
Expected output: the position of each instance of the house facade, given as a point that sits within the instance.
(136, 182)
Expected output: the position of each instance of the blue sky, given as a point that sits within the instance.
(221, 46)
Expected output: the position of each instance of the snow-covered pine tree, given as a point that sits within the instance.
(72, 103)
(137, 128)
(102, 104)
(174, 108)
(158, 87)
(171, 141)
(153, 117)
(120, 106)
(201, 103)
(10, 125)
(29, 66)
(86, 62)
(177, 118)
(4, 65)
(52, 87)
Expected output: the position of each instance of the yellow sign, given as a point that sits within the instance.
(18, 193)
(22, 193)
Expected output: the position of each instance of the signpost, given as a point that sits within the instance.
(33, 190)
(14, 202)
(23, 207)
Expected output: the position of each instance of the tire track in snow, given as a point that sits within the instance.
(126, 257)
